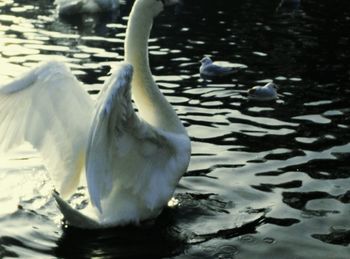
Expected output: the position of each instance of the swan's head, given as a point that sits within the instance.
(206, 60)
(155, 6)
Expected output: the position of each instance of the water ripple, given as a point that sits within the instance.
(286, 160)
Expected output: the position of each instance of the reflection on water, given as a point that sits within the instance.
(265, 180)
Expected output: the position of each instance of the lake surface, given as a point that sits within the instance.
(266, 180)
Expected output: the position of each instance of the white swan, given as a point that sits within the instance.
(209, 68)
(132, 163)
(267, 92)
(70, 7)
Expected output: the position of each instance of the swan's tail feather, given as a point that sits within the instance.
(74, 217)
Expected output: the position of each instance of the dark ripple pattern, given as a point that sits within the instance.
(265, 179)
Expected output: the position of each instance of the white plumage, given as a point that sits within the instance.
(48, 108)
(209, 68)
(132, 162)
(267, 92)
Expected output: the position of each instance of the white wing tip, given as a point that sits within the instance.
(124, 71)
(50, 65)
(121, 78)
(43, 71)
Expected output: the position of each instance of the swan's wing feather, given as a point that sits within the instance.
(48, 108)
(113, 109)
(127, 155)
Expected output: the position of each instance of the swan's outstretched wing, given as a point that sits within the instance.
(48, 108)
(127, 157)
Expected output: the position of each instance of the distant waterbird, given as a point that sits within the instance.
(267, 92)
(71, 7)
(209, 68)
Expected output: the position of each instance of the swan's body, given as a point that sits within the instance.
(70, 7)
(132, 163)
(209, 68)
(267, 92)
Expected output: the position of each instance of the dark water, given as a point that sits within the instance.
(266, 180)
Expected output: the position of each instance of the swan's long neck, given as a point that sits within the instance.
(152, 105)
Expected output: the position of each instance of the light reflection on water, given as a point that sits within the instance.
(286, 162)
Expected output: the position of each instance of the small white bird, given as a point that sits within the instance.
(70, 7)
(209, 68)
(267, 92)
